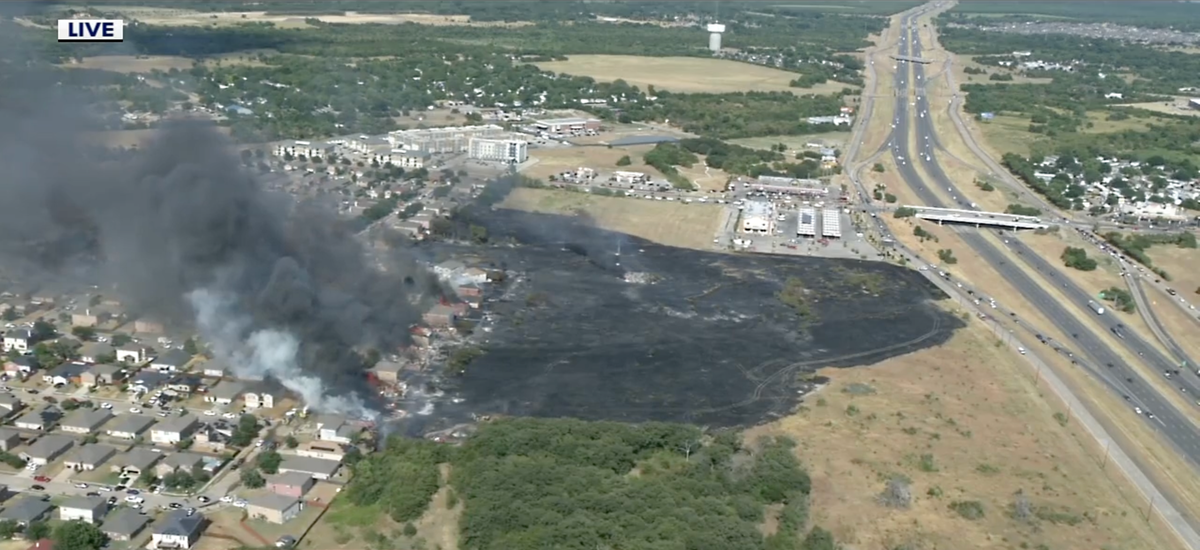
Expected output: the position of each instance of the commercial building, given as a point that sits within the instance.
(299, 148)
(454, 139)
(756, 217)
(831, 223)
(508, 151)
(567, 125)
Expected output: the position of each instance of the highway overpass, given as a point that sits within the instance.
(911, 59)
(978, 218)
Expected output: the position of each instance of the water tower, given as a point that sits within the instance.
(714, 36)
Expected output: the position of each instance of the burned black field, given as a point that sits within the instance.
(708, 342)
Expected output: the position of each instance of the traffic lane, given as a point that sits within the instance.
(53, 488)
(1131, 340)
(1172, 345)
(1183, 435)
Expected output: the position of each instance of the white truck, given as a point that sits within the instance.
(1099, 309)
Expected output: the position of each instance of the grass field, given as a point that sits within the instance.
(795, 143)
(560, 159)
(684, 74)
(147, 63)
(962, 422)
(670, 223)
(1179, 106)
(182, 17)
(1181, 325)
(1181, 264)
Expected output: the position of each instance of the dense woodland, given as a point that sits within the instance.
(1143, 13)
(569, 484)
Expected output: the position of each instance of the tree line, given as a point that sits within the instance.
(562, 483)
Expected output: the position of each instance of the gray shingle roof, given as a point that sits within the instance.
(272, 501)
(309, 465)
(178, 523)
(137, 458)
(124, 522)
(92, 454)
(87, 419)
(131, 423)
(174, 358)
(49, 445)
(26, 509)
(177, 423)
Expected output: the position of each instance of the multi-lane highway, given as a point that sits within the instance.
(898, 143)
(1118, 376)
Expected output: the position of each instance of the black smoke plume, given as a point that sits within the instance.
(279, 288)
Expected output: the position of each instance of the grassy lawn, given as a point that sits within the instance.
(684, 74)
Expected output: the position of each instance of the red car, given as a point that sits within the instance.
(42, 479)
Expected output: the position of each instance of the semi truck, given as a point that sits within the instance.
(1099, 309)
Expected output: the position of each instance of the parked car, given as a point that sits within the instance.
(42, 479)
(37, 488)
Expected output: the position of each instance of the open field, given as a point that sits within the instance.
(926, 416)
(1179, 106)
(181, 17)
(555, 160)
(962, 62)
(669, 223)
(1181, 325)
(1181, 264)
(795, 143)
(147, 63)
(684, 74)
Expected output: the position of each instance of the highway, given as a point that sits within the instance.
(898, 144)
(1106, 365)
(1147, 312)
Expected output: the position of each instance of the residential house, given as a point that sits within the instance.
(66, 373)
(129, 426)
(147, 380)
(90, 317)
(292, 484)
(47, 448)
(20, 339)
(216, 439)
(26, 510)
(215, 369)
(40, 419)
(474, 275)
(10, 404)
(324, 450)
(135, 461)
(174, 430)
(177, 529)
(185, 384)
(20, 367)
(335, 428)
(440, 316)
(449, 269)
(260, 395)
(89, 457)
(124, 524)
(315, 467)
(147, 326)
(9, 439)
(171, 361)
(225, 393)
(101, 375)
(133, 354)
(85, 420)
(387, 372)
(273, 507)
(187, 462)
(469, 290)
(95, 352)
(85, 509)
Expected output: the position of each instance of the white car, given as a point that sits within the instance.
(104, 489)
(210, 412)
(135, 410)
(106, 405)
(240, 503)
(231, 416)
(227, 499)
(134, 499)
(81, 485)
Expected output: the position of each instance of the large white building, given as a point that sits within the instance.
(756, 217)
(452, 139)
(508, 151)
(299, 148)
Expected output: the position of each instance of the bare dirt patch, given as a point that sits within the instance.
(1181, 264)
(1177, 106)
(963, 422)
(684, 74)
(670, 223)
(795, 143)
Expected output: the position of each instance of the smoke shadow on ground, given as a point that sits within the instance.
(707, 343)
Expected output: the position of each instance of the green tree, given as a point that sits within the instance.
(43, 330)
(9, 529)
(291, 442)
(252, 479)
(78, 535)
(624, 161)
(147, 478)
(189, 346)
(84, 333)
(37, 530)
(269, 462)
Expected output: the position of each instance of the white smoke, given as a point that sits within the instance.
(264, 353)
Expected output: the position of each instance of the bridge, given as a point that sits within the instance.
(978, 218)
(912, 59)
